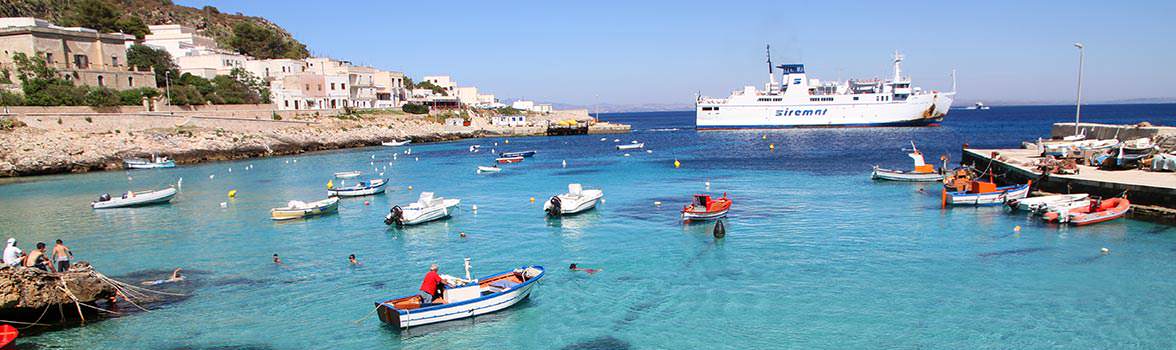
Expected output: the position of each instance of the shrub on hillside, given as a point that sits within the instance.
(185, 95)
(415, 108)
(9, 98)
(134, 97)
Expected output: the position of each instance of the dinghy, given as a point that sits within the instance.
(466, 298)
(576, 200)
(153, 163)
(395, 143)
(426, 208)
(299, 209)
(1098, 211)
(363, 188)
(631, 146)
(507, 160)
(524, 154)
(134, 199)
(1035, 203)
(488, 169)
(705, 208)
(986, 193)
(348, 174)
(923, 172)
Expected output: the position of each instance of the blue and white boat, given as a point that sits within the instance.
(153, 163)
(363, 188)
(998, 195)
(466, 298)
(524, 154)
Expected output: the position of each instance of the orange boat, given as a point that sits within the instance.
(1098, 211)
(705, 208)
(505, 160)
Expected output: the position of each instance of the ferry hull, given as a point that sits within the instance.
(919, 110)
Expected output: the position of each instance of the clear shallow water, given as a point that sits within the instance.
(816, 254)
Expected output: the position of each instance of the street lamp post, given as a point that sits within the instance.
(1081, 61)
(167, 85)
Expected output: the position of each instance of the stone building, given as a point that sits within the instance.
(81, 55)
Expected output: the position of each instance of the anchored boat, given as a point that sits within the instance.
(135, 199)
(631, 146)
(1035, 204)
(923, 172)
(705, 208)
(507, 160)
(363, 188)
(986, 193)
(299, 209)
(426, 208)
(488, 169)
(576, 200)
(525, 154)
(1098, 211)
(395, 143)
(153, 163)
(467, 298)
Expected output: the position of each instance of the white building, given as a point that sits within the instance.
(544, 108)
(442, 81)
(523, 105)
(508, 120)
(210, 65)
(390, 91)
(179, 40)
(467, 96)
(275, 69)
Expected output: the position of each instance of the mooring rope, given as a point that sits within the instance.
(361, 319)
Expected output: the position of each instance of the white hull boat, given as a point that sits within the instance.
(576, 200)
(469, 299)
(371, 187)
(1035, 204)
(154, 163)
(631, 146)
(135, 199)
(899, 175)
(298, 209)
(426, 208)
(395, 143)
(999, 196)
(488, 169)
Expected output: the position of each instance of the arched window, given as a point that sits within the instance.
(100, 81)
(130, 81)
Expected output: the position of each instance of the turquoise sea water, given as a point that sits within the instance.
(816, 254)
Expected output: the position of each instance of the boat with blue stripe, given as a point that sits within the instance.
(524, 154)
(983, 195)
(469, 298)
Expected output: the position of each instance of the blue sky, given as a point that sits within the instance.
(639, 52)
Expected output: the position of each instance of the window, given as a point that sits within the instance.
(307, 87)
(130, 81)
(48, 57)
(100, 81)
(287, 103)
(114, 61)
(855, 98)
(332, 86)
(81, 61)
(344, 86)
(320, 86)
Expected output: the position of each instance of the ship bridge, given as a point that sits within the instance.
(791, 68)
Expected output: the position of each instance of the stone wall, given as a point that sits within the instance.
(1108, 131)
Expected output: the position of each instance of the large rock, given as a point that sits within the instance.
(26, 289)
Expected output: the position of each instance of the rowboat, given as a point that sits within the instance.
(525, 154)
(348, 174)
(1098, 211)
(468, 298)
(986, 193)
(395, 143)
(631, 146)
(506, 160)
(134, 199)
(426, 208)
(299, 209)
(363, 188)
(705, 208)
(1035, 203)
(576, 200)
(488, 169)
(923, 172)
(153, 163)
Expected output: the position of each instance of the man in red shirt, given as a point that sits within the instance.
(429, 285)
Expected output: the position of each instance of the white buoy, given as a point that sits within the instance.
(1104, 250)
(210, 176)
(648, 151)
(224, 205)
(373, 156)
(626, 154)
(130, 178)
(381, 173)
(657, 203)
(565, 163)
(296, 160)
(474, 208)
(287, 161)
(603, 139)
(602, 200)
(230, 170)
(416, 158)
(707, 185)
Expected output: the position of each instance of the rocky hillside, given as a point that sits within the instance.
(209, 20)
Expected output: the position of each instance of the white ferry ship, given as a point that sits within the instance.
(797, 101)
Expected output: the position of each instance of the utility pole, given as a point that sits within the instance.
(1081, 61)
(167, 86)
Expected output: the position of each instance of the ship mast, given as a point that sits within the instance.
(771, 74)
(897, 66)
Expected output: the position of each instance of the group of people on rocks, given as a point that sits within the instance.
(57, 261)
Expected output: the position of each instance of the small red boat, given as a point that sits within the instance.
(1098, 211)
(505, 160)
(705, 208)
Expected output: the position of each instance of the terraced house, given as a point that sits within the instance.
(81, 55)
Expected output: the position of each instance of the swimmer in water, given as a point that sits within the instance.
(573, 267)
(277, 260)
(352, 260)
(175, 277)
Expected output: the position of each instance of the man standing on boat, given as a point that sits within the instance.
(429, 287)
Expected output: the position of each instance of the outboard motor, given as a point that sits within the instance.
(720, 231)
(104, 197)
(394, 216)
(555, 209)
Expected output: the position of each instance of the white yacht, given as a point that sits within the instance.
(797, 101)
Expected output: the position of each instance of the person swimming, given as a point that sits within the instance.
(277, 260)
(590, 271)
(175, 277)
(352, 260)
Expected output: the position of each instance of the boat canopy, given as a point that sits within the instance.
(575, 189)
(702, 199)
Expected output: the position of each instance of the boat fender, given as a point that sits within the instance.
(719, 231)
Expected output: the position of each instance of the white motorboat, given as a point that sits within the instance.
(576, 200)
(1034, 204)
(153, 163)
(300, 209)
(464, 298)
(631, 146)
(363, 188)
(348, 174)
(426, 208)
(395, 143)
(488, 169)
(134, 199)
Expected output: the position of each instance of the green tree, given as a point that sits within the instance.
(408, 83)
(102, 97)
(199, 83)
(159, 61)
(94, 14)
(134, 26)
(185, 95)
(263, 43)
(232, 91)
(429, 85)
(415, 108)
(253, 82)
(9, 98)
(134, 97)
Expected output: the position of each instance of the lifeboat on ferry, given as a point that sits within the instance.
(1098, 211)
(706, 208)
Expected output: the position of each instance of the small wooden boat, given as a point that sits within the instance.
(348, 174)
(576, 200)
(468, 298)
(426, 208)
(299, 209)
(135, 199)
(524, 154)
(395, 143)
(1035, 203)
(631, 146)
(1098, 211)
(986, 193)
(488, 169)
(959, 179)
(363, 188)
(507, 160)
(923, 172)
(153, 163)
(705, 208)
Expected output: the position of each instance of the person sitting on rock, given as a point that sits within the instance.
(37, 259)
(12, 254)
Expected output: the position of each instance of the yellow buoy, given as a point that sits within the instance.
(1017, 228)
(771, 146)
(532, 199)
(410, 188)
(506, 141)
(677, 164)
(232, 193)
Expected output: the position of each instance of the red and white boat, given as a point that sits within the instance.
(505, 160)
(706, 208)
(1098, 211)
